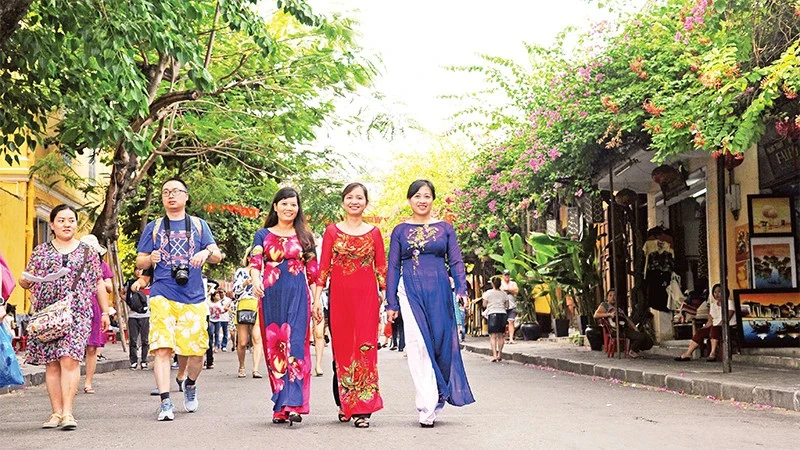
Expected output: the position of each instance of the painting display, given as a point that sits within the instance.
(768, 318)
(743, 256)
(770, 215)
(773, 262)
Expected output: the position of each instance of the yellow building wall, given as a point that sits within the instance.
(13, 213)
(746, 175)
(23, 198)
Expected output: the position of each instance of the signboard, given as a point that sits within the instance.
(778, 159)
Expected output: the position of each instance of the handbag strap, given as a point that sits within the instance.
(80, 270)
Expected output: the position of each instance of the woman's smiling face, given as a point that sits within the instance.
(421, 201)
(355, 202)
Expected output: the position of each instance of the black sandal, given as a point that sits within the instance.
(683, 358)
(276, 420)
(294, 417)
(426, 425)
(342, 417)
(361, 422)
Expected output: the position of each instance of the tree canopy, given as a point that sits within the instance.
(211, 87)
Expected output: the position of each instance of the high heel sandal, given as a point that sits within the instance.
(361, 422)
(294, 417)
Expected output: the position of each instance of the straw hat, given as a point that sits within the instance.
(91, 240)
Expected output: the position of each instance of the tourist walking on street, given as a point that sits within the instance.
(62, 356)
(353, 258)
(246, 317)
(177, 246)
(283, 266)
(511, 289)
(97, 337)
(420, 251)
(136, 292)
(216, 310)
(494, 302)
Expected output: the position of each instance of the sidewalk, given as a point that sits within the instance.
(746, 383)
(34, 375)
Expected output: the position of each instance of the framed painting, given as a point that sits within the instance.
(773, 262)
(742, 242)
(770, 215)
(768, 318)
(743, 274)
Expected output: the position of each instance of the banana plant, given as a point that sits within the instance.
(521, 268)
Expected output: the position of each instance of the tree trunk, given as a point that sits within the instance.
(11, 12)
(122, 174)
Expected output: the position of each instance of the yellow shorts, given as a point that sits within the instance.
(178, 326)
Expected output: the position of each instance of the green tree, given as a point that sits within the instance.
(142, 81)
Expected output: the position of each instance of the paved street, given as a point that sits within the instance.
(517, 406)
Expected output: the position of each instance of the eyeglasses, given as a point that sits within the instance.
(172, 192)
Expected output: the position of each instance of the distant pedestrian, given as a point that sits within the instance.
(247, 326)
(177, 246)
(494, 300)
(421, 251)
(354, 260)
(398, 333)
(283, 266)
(97, 337)
(136, 293)
(511, 289)
(62, 356)
(216, 310)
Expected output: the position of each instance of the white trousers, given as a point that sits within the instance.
(419, 362)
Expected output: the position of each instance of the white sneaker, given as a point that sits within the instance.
(167, 411)
(190, 402)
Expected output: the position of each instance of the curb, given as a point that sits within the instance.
(778, 397)
(37, 378)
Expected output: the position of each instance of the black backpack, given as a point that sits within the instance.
(136, 301)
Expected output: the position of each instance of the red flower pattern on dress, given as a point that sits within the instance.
(271, 274)
(297, 369)
(295, 266)
(278, 359)
(359, 382)
(274, 249)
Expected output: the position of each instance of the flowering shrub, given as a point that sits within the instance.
(677, 76)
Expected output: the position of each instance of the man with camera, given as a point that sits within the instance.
(177, 246)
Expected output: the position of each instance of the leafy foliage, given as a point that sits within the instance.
(209, 89)
(676, 76)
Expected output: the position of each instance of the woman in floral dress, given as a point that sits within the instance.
(418, 283)
(62, 356)
(283, 265)
(354, 259)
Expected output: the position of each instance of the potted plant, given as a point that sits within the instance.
(570, 269)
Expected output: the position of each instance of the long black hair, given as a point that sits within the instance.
(300, 226)
(417, 185)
